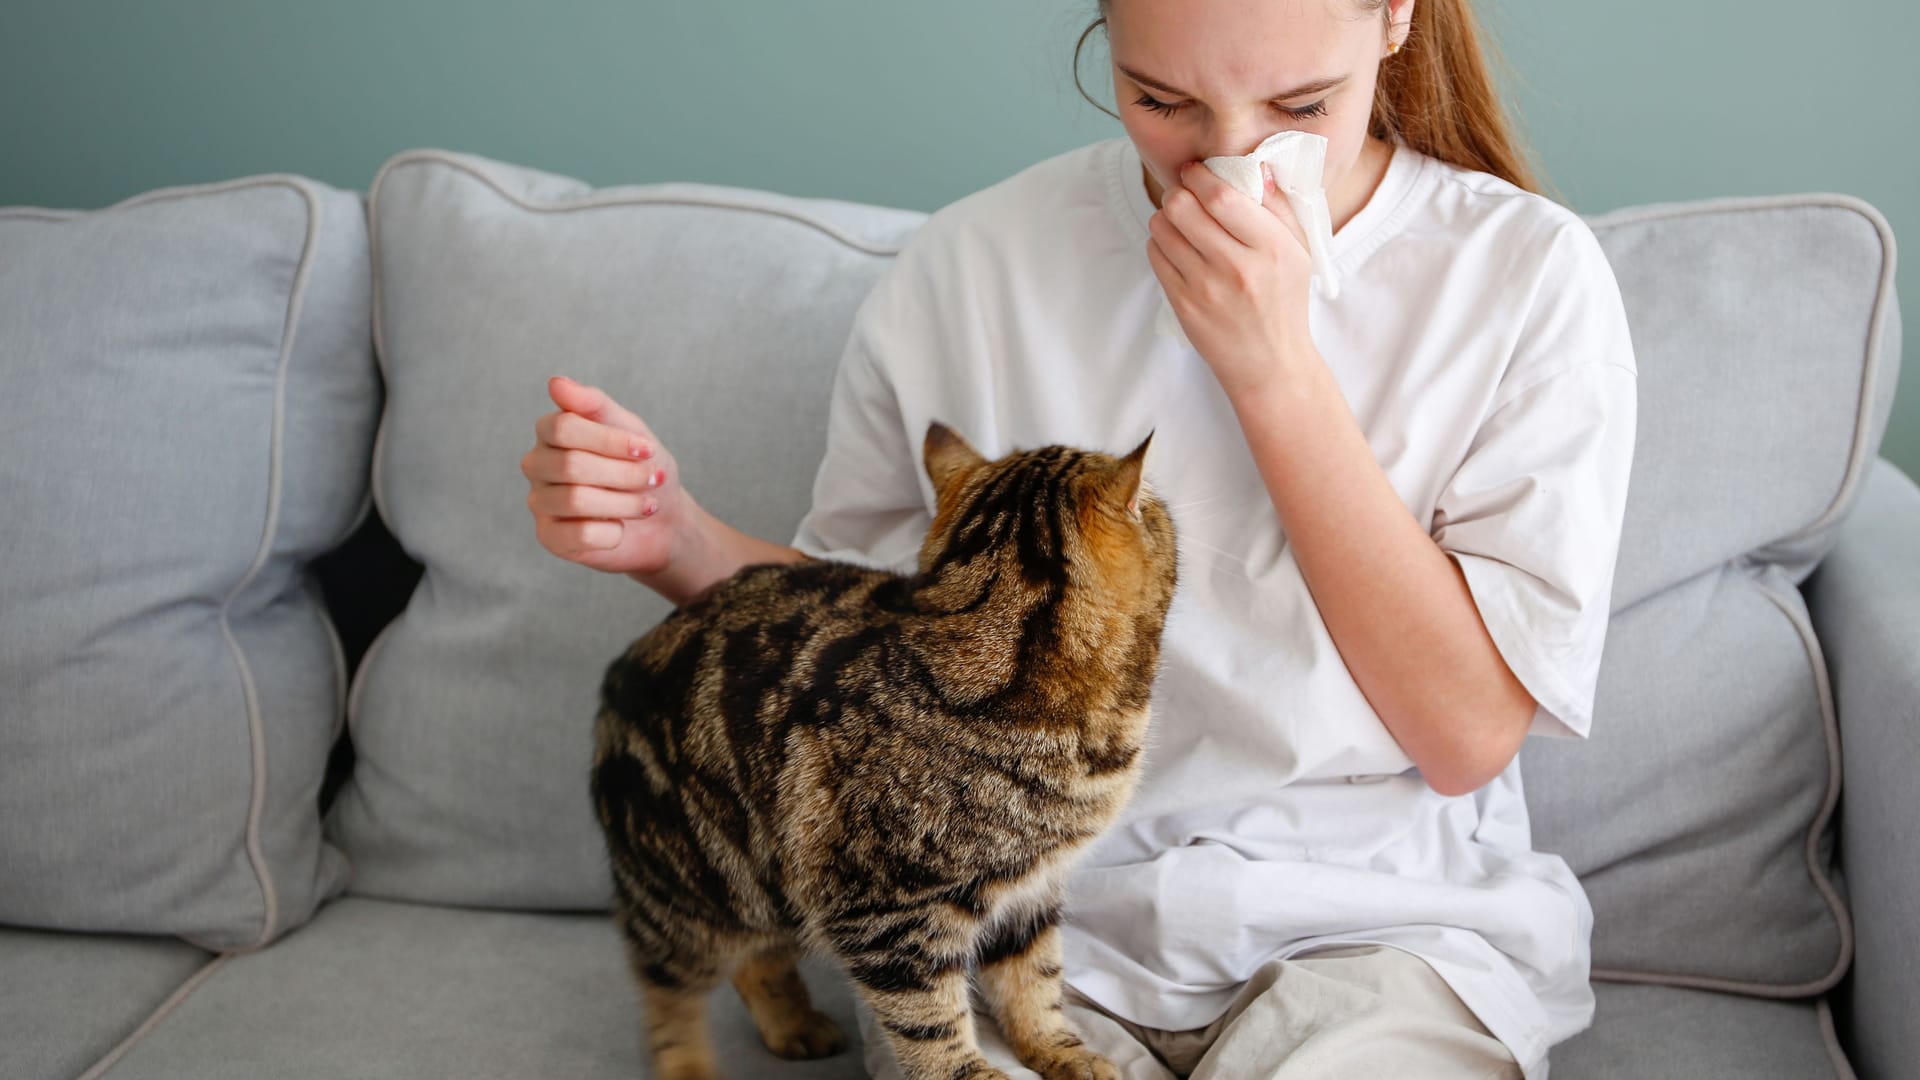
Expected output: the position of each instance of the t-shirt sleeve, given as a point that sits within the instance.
(868, 505)
(1533, 513)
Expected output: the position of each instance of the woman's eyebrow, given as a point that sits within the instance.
(1313, 87)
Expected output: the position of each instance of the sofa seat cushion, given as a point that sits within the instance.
(381, 989)
(67, 999)
(1645, 1030)
(385, 990)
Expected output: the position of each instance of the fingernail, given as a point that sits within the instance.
(648, 509)
(659, 477)
(637, 448)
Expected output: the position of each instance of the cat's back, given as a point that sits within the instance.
(734, 658)
(762, 615)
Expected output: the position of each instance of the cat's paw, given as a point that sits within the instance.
(1073, 1063)
(804, 1035)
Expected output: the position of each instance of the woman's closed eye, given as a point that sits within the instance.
(1169, 108)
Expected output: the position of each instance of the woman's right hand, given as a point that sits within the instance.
(604, 493)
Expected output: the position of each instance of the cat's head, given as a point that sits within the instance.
(1056, 516)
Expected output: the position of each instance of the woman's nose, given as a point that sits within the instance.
(1236, 142)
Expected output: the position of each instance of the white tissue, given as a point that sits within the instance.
(1297, 158)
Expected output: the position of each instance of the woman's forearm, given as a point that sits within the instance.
(710, 552)
(1397, 606)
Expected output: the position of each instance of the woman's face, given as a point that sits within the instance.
(1193, 79)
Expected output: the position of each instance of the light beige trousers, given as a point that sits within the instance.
(1357, 1013)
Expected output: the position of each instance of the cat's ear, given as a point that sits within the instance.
(1121, 487)
(947, 456)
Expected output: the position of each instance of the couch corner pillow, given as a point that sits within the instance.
(188, 421)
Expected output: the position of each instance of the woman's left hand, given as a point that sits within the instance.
(1236, 273)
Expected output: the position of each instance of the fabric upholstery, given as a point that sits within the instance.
(717, 315)
(508, 995)
(1698, 816)
(1652, 1031)
(380, 990)
(191, 399)
(66, 999)
(1767, 334)
(1866, 603)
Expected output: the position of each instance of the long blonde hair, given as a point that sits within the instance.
(1436, 94)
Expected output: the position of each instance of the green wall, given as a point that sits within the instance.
(903, 102)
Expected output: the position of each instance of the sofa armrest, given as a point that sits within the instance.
(1865, 601)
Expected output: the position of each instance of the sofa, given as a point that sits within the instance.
(295, 712)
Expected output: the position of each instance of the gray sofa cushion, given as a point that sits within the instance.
(376, 989)
(68, 999)
(1773, 331)
(509, 995)
(190, 405)
(1687, 817)
(1697, 816)
(716, 314)
(1649, 1031)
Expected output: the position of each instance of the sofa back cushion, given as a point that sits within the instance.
(191, 398)
(1697, 816)
(716, 314)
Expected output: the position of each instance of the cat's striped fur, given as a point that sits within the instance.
(894, 770)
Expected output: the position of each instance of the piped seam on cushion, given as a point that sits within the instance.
(1858, 458)
(270, 898)
(354, 693)
(1830, 1036)
(377, 497)
(1766, 578)
(600, 200)
(339, 653)
(160, 1012)
(256, 856)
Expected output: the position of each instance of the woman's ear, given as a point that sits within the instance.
(1399, 24)
(948, 457)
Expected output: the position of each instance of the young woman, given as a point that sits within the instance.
(1400, 510)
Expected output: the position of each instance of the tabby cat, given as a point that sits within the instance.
(892, 770)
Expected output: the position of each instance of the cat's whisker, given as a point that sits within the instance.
(1234, 571)
(1224, 560)
(1175, 507)
(1182, 512)
(1188, 542)
(1189, 520)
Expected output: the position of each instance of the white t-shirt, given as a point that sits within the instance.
(1480, 342)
